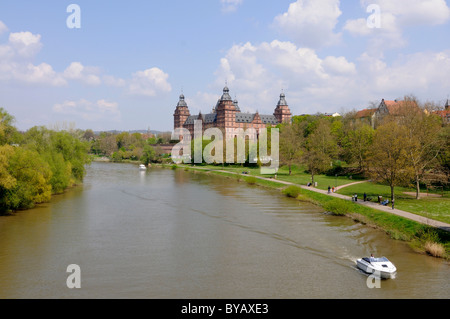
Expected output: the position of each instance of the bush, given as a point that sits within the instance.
(292, 191)
(434, 249)
(251, 180)
(338, 207)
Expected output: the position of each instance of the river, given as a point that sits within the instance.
(174, 234)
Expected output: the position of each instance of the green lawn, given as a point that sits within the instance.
(437, 208)
(298, 176)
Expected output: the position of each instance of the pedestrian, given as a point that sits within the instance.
(353, 198)
(365, 197)
(356, 197)
(333, 190)
(329, 189)
(393, 201)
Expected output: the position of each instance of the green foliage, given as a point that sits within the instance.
(338, 207)
(33, 176)
(292, 191)
(45, 162)
(148, 155)
(251, 180)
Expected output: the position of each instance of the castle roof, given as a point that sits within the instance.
(282, 101)
(182, 102)
(226, 94)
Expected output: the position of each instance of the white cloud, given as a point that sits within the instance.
(87, 75)
(257, 73)
(415, 12)
(3, 28)
(230, 5)
(311, 23)
(338, 66)
(150, 82)
(90, 111)
(16, 66)
(42, 74)
(395, 17)
(25, 44)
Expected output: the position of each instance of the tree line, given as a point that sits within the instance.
(38, 163)
(409, 148)
(125, 146)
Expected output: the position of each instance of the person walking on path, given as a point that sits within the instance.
(329, 189)
(365, 197)
(393, 201)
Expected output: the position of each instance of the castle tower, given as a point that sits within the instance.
(282, 112)
(226, 111)
(181, 113)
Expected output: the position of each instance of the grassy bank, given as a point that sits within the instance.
(434, 206)
(422, 238)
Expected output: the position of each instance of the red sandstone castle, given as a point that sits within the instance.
(227, 115)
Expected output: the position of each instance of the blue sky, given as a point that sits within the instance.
(128, 63)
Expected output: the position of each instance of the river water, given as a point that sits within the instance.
(177, 234)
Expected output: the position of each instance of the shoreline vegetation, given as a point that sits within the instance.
(421, 238)
(403, 157)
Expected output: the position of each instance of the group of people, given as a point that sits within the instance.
(355, 197)
(332, 189)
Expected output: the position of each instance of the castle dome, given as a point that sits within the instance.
(236, 105)
(226, 94)
(182, 102)
(282, 101)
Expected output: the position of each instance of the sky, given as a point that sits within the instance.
(122, 65)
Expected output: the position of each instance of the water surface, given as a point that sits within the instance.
(177, 234)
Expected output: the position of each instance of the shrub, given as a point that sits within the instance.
(292, 191)
(251, 180)
(338, 207)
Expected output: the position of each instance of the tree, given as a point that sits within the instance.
(8, 133)
(291, 145)
(389, 155)
(358, 142)
(321, 148)
(148, 155)
(33, 176)
(423, 142)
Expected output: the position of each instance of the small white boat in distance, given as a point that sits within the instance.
(379, 267)
(142, 167)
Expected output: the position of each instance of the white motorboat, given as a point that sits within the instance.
(142, 167)
(379, 267)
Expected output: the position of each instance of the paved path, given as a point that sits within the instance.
(417, 218)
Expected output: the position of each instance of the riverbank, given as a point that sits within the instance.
(422, 236)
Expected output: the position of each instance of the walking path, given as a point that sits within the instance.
(414, 217)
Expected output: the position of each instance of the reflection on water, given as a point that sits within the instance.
(177, 234)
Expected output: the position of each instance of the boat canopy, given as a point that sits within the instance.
(378, 260)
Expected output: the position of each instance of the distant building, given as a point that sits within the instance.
(374, 116)
(227, 115)
(445, 114)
